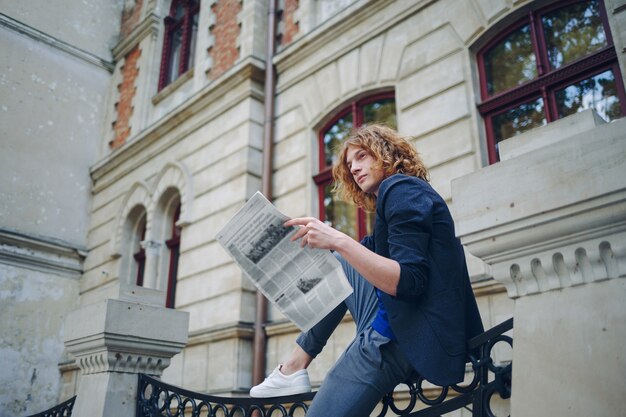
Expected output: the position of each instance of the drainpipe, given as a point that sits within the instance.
(260, 338)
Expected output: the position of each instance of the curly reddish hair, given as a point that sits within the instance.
(393, 153)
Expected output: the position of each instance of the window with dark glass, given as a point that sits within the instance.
(552, 63)
(139, 253)
(173, 245)
(380, 108)
(179, 44)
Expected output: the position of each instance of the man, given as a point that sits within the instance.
(413, 304)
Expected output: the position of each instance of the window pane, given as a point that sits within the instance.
(179, 12)
(573, 32)
(518, 119)
(511, 62)
(335, 136)
(338, 214)
(175, 54)
(370, 218)
(598, 92)
(192, 41)
(382, 111)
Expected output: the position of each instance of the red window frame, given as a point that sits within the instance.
(173, 244)
(324, 177)
(191, 8)
(548, 80)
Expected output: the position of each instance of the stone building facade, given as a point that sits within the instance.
(55, 73)
(174, 104)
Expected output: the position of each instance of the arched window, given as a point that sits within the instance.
(379, 108)
(139, 253)
(173, 245)
(179, 44)
(133, 259)
(552, 63)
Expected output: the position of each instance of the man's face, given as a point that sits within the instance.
(364, 169)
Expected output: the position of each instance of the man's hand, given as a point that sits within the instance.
(316, 233)
(383, 273)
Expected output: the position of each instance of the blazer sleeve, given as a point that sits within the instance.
(408, 212)
(368, 242)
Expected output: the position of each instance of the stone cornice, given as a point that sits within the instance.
(231, 331)
(39, 36)
(250, 69)
(148, 26)
(129, 344)
(555, 216)
(105, 361)
(324, 37)
(125, 336)
(487, 287)
(284, 327)
(556, 227)
(173, 86)
(46, 255)
(581, 262)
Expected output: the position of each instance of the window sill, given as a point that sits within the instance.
(173, 86)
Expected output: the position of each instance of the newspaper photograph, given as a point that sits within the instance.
(305, 284)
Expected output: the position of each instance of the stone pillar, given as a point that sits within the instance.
(114, 340)
(550, 220)
(152, 249)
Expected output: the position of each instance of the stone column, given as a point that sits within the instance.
(153, 250)
(114, 340)
(550, 220)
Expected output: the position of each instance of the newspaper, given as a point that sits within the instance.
(305, 284)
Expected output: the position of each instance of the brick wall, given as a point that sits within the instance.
(292, 26)
(130, 17)
(226, 30)
(124, 107)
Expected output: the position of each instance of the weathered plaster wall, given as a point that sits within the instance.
(33, 306)
(54, 75)
(91, 25)
(50, 120)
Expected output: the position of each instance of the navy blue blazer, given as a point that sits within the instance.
(434, 311)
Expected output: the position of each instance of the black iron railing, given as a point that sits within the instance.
(488, 379)
(61, 410)
(158, 399)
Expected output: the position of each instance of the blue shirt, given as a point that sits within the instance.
(381, 323)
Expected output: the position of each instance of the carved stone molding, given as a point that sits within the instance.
(19, 27)
(121, 362)
(41, 254)
(149, 26)
(125, 336)
(554, 216)
(564, 266)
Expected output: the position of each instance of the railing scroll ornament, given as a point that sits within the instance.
(63, 409)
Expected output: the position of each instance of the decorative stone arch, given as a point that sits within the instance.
(172, 187)
(175, 175)
(328, 112)
(137, 195)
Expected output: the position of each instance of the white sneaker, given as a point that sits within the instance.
(278, 384)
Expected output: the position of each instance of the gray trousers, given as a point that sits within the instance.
(371, 366)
